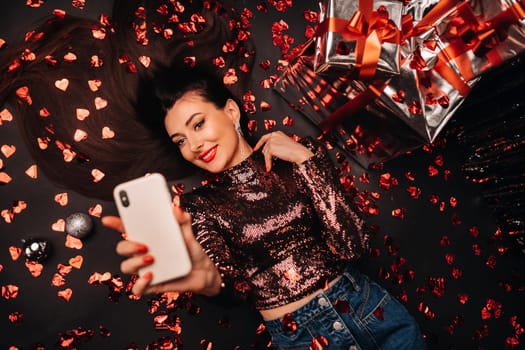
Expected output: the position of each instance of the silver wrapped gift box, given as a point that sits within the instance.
(443, 55)
(359, 35)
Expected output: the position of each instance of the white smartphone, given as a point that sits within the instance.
(145, 207)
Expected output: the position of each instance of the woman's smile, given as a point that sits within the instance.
(208, 155)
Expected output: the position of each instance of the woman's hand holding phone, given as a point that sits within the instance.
(204, 278)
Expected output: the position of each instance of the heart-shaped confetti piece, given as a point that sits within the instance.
(97, 175)
(8, 150)
(34, 268)
(145, 61)
(62, 198)
(59, 13)
(76, 262)
(100, 103)
(19, 207)
(44, 113)
(59, 225)
(58, 280)
(64, 270)
(7, 215)
(65, 294)
(95, 211)
(62, 84)
(69, 155)
(15, 252)
(70, 57)
(32, 171)
(98, 33)
(107, 133)
(96, 61)
(5, 115)
(34, 3)
(23, 92)
(73, 242)
(10, 291)
(80, 135)
(94, 85)
(97, 278)
(82, 113)
(42, 143)
(5, 178)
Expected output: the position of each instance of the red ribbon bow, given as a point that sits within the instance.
(466, 33)
(370, 29)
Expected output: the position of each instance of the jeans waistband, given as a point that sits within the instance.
(350, 280)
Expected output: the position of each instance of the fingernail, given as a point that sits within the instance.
(148, 275)
(148, 259)
(176, 201)
(142, 249)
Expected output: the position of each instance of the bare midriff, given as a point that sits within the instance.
(279, 312)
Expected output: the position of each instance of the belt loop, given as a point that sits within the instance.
(349, 274)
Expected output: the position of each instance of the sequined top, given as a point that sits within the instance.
(282, 234)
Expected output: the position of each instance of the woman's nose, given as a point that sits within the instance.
(195, 144)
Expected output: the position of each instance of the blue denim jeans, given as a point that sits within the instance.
(355, 313)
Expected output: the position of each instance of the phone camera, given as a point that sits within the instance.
(124, 198)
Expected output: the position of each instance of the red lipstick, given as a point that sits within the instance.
(208, 155)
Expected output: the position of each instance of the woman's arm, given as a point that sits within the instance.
(315, 174)
(343, 228)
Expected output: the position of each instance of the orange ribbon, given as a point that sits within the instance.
(435, 15)
(438, 12)
(352, 106)
(370, 29)
(361, 27)
(466, 33)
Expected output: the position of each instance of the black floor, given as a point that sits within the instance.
(448, 246)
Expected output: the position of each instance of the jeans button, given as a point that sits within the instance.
(337, 325)
(322, 301)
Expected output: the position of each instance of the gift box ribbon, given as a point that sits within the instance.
(356, 104)
(375, 89)
(438, 12)
(466, 33)
(370, 29)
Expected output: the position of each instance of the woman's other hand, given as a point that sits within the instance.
(279, 145)
(204, 278)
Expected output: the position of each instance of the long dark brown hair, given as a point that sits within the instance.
(89, 136)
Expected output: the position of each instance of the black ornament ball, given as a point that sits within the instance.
(79, 225)
(36, 249)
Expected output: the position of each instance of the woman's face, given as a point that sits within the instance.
(205, 134)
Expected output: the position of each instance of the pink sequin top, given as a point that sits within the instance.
(281, 234)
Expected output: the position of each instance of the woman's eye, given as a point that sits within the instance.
(199, 124)
(179, 142)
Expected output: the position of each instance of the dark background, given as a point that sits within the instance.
(426, 258)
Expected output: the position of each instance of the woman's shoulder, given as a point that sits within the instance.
(191, 203)
(319, 148)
